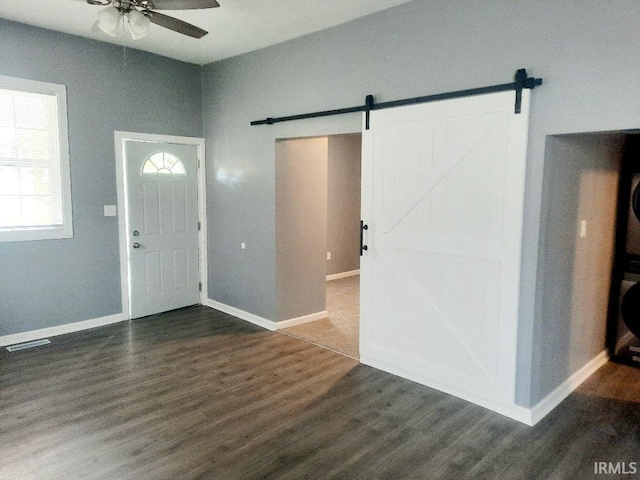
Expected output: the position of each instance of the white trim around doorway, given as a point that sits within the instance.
(119, 139)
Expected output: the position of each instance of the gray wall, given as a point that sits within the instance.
(343, 203)
(301, 226)
(586, 51)
(53, 282)
(582, 174)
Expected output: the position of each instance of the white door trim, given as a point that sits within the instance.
(119, 139)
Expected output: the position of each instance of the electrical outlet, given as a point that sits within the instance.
(328, 255)
(583, 228)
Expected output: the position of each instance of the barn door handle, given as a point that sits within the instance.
(363, 227)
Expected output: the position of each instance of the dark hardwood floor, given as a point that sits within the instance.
(198, 394)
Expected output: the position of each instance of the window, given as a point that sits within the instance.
(35, 192)
(163, 163)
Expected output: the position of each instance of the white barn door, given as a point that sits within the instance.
(442, 194)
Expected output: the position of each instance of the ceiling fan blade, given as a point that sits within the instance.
(183, 4)
(176, 25)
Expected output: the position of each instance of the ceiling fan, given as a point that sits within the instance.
(139, 14)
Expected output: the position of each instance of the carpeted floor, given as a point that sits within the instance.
(340, 331)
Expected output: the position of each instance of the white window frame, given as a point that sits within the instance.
(24, 233)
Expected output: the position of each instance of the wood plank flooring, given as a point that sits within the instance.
(198, 394)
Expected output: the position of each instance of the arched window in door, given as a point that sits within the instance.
(163, 163)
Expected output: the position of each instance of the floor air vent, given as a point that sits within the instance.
(23, 346)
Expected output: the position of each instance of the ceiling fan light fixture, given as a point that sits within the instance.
(138, 15)
(108, 20)
(138, 24)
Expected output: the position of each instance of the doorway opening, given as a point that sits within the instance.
(318, 183)
(590, 242)
(161, 221)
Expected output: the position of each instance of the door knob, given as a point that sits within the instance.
(136, 233)
(136, 245)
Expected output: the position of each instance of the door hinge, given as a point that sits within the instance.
(199, 286)
(199, 226)
(197, 163)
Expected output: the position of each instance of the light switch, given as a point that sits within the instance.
(109, 210)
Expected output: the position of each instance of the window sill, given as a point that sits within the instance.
(24, 234)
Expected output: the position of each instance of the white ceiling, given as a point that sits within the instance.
(238, 26)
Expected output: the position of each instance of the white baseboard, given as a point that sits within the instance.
(61, 329)
(292, 322)
(551, 401)
(337, 276)
(263, 322)
(241, 314)
(528, 416)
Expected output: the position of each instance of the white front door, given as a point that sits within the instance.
(162, 226)
(443, 189)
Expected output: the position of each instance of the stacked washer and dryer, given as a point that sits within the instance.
(625, 337)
